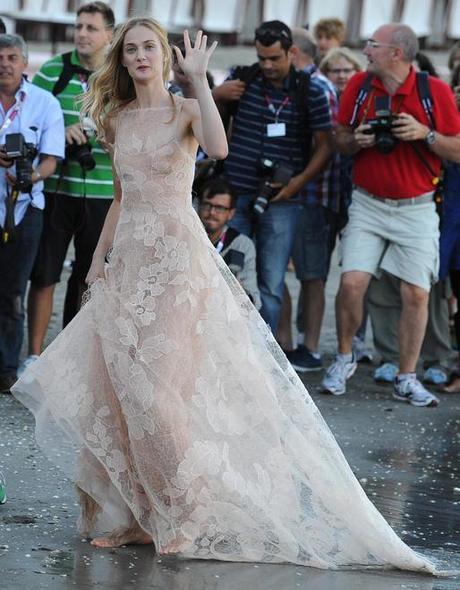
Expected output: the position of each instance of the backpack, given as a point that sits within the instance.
(68, 71)
(299, 87)
(423, 89)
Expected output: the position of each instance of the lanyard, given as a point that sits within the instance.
(16, 110)
(83, 82)
(220, 243)
(271, 106)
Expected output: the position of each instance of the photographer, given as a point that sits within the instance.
(79, 194)
(398, 125)
(31, 140)
(216, 208)
(281, 138)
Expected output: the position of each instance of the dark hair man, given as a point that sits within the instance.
(77, 200)
(31, 141)
(317, 225)
(216, 208)
(279, 110)
(393, 225)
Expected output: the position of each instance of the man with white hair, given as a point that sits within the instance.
(31, 142)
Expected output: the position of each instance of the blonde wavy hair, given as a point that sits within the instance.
(111, 87)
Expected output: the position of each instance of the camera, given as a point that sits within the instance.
(272, 173)
(82, 154)
(23, 155)
(382, 125)
(235, 261)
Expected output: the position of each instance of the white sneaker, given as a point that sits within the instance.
(335, 380)
(361, 353)
(27, 362)
(413, 392)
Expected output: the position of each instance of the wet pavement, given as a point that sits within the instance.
(406, 458)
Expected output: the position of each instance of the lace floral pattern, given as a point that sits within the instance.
(170, 404)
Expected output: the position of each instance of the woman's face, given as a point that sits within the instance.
(142, 54)
(339, 72)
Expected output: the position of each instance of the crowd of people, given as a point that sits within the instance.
(167, 399)
(321, 155)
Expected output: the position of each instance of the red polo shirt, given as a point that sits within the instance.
(399, 174)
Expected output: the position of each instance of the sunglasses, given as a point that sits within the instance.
(263, 34)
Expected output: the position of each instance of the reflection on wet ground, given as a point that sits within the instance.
(83, 567)
(407, 460)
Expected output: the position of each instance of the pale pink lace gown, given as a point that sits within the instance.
(168, 402)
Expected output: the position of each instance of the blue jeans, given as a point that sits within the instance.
(16, 260)
(274, 233)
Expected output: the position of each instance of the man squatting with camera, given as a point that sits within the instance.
(397, 142)
(31, 141)
(216, 208)
(281, 138)
(79, 194)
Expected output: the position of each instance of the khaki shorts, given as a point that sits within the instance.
(403, 241)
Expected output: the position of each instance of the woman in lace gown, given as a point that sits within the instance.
(166, 399)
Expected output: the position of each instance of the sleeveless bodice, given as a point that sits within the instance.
(152, 166)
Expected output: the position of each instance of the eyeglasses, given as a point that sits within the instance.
(375, 44)
(208, 207)
(341, 70)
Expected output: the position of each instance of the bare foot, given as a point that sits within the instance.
(132, 536)
(176, 546)
(453, 386)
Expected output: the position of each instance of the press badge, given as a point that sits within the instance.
(276, 129)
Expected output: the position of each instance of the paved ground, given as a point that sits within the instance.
(407, 460)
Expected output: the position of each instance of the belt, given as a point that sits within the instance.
(418, 200)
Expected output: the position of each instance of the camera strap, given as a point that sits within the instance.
(220, 244)
(68, 71)
(9, 225)
(366, 90)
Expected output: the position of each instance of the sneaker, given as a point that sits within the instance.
(386, 373)
(2, 489)
(336, 376)
(27, 362)
(413, 392)
(435, 376)
(303, 360)
(361, 353)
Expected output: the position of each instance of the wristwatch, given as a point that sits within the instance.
(430, 137)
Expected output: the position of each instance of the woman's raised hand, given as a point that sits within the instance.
(195, 62)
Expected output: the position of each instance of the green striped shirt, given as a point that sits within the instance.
(98, 182)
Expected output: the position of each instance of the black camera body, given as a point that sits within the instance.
(382, 126)
(272, 173)
(81, 154)
(235, 261)
(23, 155)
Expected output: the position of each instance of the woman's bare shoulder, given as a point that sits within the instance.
(111, 121)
